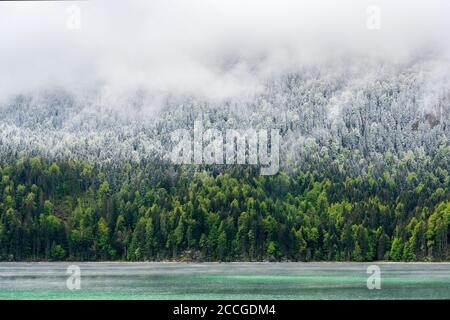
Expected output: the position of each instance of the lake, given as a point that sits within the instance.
(100, 280)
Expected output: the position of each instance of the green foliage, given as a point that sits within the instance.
(154, 211)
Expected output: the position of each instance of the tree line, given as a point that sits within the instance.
(75, 210)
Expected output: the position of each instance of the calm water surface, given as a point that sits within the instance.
(224, 281)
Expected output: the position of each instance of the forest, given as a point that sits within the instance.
(364, 172)
(153, 211)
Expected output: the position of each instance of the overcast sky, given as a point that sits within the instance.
(209, 48)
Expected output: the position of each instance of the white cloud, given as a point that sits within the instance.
(208, 48)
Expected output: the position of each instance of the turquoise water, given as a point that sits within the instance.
(224, 281)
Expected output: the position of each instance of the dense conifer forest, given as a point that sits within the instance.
(73, 210)
(363, 172)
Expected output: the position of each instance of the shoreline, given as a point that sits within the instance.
(230, 262)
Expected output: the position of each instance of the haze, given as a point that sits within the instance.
(210, 49)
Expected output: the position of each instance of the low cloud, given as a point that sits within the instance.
(205, 48)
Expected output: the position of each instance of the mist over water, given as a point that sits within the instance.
(224, 281)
